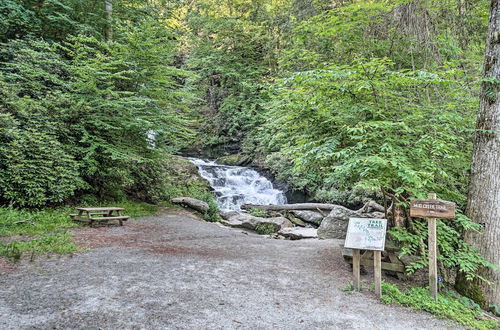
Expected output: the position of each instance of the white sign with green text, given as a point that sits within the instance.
(366, 234)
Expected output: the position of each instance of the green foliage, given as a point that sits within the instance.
(257, 213)
(78, 113)
(45, 231)
(366, 126)
(59, 243)
(32, 223)
(448, 305)
(36, 232)
(34, 169)
(266, 228)
(160, 180)
(454, 252)
(346, 101)
(229, 56)
(349, 288)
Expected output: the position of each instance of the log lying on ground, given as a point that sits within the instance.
(287, 207)
(368, 207)
(193, 203)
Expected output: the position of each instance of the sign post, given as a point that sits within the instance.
(432, 209)
(366, 234)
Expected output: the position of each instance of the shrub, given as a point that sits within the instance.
(448, 305)
(266, 228)
(257, 213)
(35, 170)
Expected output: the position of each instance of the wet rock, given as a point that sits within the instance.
(243, 220)
(298, 233)
(309, 216)
(226, 215)
(296, 221)
(192, 203)
(235, 160)
(335, 224)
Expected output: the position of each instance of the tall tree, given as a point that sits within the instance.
(483, 204)
(108, 30)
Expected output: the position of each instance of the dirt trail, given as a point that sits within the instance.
(176, 272)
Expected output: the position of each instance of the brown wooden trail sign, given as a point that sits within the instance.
(432, 209)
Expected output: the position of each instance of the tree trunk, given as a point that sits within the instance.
(108, 29)
(483, 204)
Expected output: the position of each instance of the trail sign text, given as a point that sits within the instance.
(366, 234)
(432, 208)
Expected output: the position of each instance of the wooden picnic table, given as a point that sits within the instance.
(91, 214)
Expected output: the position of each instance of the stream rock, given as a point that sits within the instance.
(192, 203)
(335, 224)
(313, 217)
(243, 220)
(296, 221)
(298, 233)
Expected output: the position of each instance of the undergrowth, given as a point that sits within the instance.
(257, 213)
(448, 305)
(45, 231)
(266, 228)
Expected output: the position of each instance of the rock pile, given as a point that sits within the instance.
(323, 223)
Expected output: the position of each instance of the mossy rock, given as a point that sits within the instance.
(296, 221)
(235, 160)
(470, 289)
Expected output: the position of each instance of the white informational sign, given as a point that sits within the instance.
(366, 234)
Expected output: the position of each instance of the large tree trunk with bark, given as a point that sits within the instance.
(484, 191)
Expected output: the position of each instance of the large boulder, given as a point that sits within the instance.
(298, 233)
(313, 217)
(335, 224)
(192, 203)
(243, 220)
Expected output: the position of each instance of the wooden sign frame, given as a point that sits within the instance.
(374, 224)
(377, 260)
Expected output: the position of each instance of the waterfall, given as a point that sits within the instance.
(236, 185)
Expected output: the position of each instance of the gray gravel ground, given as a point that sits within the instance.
(176, 272)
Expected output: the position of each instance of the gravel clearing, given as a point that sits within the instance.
(174, 271)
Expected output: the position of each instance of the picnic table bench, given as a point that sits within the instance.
(91, 214)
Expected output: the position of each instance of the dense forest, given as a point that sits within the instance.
(344, 100)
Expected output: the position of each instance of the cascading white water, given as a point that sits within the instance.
(236, 185)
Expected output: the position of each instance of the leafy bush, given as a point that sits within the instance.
(92, 98)
(35, 170)
(368, 129)
(366, 126)
(257, 213)
(266, 228)
(454, 252)
(448, 305)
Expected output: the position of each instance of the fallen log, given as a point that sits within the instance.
(287, 207)
(367, 208)
(195, 204)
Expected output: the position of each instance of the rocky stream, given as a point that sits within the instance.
(249, 200)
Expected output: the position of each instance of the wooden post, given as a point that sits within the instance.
(377, 272)
(432, 253)
(356, 259)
